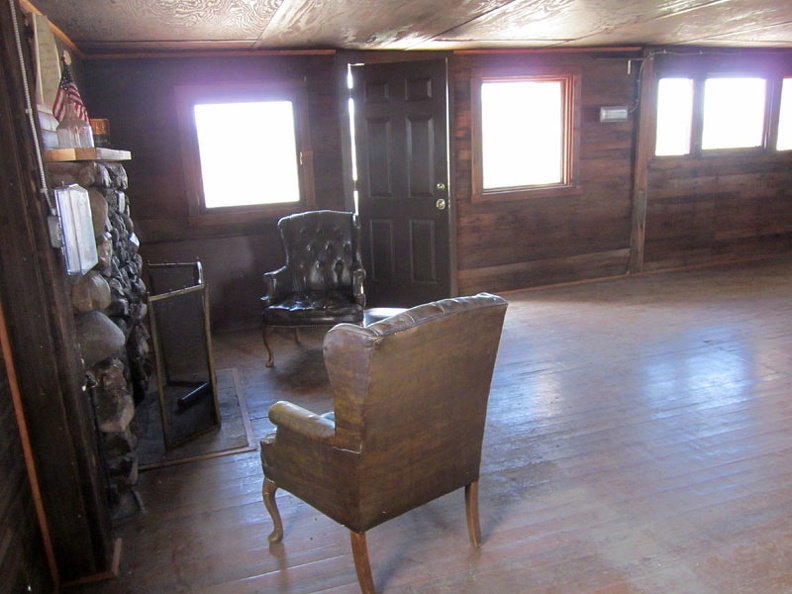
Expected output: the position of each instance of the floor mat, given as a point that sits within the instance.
(234, 435)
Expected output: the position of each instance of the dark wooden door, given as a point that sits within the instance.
(402, 158)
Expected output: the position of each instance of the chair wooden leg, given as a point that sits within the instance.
(472, 512)
(362, 565)
(297, 336)
(268, 493)
(270, 356)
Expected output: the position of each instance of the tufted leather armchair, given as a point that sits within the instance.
(410, 401)
(321, 283)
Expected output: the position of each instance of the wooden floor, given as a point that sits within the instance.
(639, 440)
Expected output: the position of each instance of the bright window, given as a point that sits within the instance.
(708, 114)
(246, 150)
(734, 113)
(674, 116)
(240, 142)
(784, 142)
(522, 133)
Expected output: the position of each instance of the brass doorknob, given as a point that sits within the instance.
(440, 204)
(440, 186)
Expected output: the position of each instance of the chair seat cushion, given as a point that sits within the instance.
(315, 308)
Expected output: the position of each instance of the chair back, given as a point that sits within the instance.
(322, 249)
(411, 396)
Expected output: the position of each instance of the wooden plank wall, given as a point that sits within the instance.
(712, 209)
(137, 96)
(698, 212)
(549, 239)
(36, 301)
(709, 212)
(22, 559)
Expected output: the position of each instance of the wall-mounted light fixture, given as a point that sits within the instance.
(614, 113)
(76, 229)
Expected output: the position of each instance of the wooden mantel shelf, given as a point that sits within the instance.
(87, 154)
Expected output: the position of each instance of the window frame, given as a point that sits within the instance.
(775, 111)
(570, 78)
(698, 106)
(656, 116)
(773, 79)
(187, 96)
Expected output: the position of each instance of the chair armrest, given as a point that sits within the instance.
(302, 421)
(278, 285)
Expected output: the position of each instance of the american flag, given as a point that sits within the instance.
(67, 90)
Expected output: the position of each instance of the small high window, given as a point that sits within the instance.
(522, 133)
(734, 113)
(710, 114)
(257, 138)
(246, 150)
(674, 116)
(784, 140)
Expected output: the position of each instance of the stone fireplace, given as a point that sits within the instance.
(109, 304)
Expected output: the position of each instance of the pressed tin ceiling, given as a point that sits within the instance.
(129, 26)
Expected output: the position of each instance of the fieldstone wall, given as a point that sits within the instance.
(109, 305)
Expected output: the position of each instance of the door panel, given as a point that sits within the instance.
(422, 236)
(420, 135)
(379, 158)
(381, 264)
(402, 147)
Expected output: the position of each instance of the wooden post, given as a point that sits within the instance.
(42, 338)
(644, 148)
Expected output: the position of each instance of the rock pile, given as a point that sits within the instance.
(109, 304)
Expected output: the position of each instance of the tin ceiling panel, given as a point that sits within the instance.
(753, 23)
(123, 24)
(113, 26)
(608, 22)
(370, 24)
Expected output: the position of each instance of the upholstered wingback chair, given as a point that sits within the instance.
(321, 283)
(410, 400)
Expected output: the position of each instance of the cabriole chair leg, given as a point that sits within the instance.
(472, 512)
(362, 565)
(268, 493)
(270, 356)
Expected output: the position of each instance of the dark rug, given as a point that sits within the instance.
(233, 435)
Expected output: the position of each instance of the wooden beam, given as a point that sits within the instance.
(644, 146)
(175, 54)
(24, 437)
(41, 333)
(550, 50)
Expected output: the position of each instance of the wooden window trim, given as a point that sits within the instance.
(187, 96)
(774, 89)
(734, 66)
(570, 186)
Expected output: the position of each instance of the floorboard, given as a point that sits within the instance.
(638, 440)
